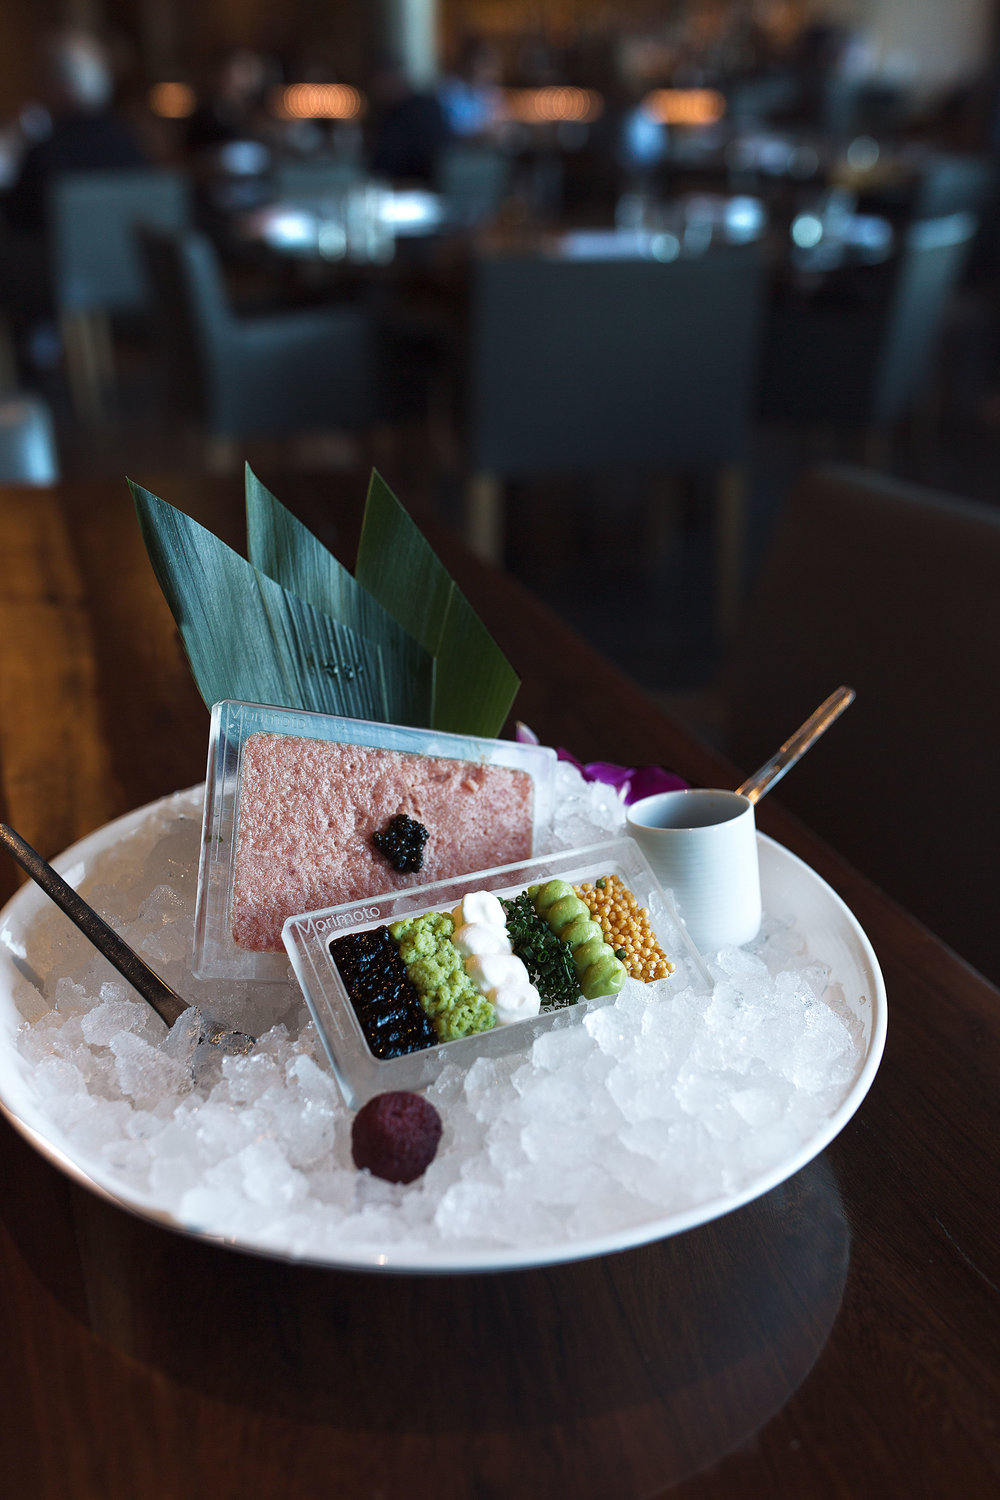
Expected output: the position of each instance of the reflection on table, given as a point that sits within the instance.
(364, 223)
(360, 225)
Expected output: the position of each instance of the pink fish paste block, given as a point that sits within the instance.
(308, 810)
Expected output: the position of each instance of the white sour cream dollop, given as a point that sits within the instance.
(480, 936)
(480, 906)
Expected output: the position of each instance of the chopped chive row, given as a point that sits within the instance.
(546, 957)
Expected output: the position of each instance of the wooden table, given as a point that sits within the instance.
(837, 1337)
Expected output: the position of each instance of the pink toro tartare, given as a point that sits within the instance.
(308, 810)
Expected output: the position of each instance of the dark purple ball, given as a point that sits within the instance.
(396, 1136)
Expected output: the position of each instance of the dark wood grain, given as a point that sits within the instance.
(837, 1337)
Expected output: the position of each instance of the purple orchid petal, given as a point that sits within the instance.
(648, 780)
(630, 783)
(610, 774)
(563, 754)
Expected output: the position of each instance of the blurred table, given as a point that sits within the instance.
(361, 226)
(836, 1337)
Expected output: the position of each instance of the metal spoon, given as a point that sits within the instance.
(796, 745)
(169, 1006)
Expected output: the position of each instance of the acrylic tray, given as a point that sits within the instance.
(216, 954)
(361, 1074)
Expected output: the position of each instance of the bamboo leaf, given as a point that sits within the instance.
(328, 667)
(245, 636)
(474, 684)
(280, 546)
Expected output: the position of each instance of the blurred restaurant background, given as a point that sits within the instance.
(683, 311)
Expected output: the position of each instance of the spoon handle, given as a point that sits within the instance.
(165, 1001)
(796, 746)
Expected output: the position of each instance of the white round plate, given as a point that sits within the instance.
(790, 888)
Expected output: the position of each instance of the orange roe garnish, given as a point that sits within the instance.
(626, 927)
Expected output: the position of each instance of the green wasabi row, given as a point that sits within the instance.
(599, 971)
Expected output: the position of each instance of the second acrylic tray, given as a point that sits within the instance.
(361, 1075)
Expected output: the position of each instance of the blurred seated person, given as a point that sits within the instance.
(471, 96)
(79, 131)
(86, 134)
(233, 110)
(410, 127)
(230, 139)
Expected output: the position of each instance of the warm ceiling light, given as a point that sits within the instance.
(556, 102)
(172, 101)
(317, 101)
(685, 106)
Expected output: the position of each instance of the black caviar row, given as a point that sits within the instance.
(385, 1000)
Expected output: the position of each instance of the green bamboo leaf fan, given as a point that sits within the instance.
(473, 681)
(288, 625)
(279, 546)
(244, 635)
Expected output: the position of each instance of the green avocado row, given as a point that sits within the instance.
(599, 971)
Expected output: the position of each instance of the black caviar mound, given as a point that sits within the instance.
(384, 998)
(396, 1136)
(402, 842)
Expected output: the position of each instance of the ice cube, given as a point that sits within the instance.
(561, 1046)
(610, 1030)
(111, 1016)
(316, 1085)
(55, 1078)
(151, 1077)
(71, 999)
(269, 1178)
(183, 1037)
(249, 1077)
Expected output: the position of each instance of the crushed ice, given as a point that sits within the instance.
(672, 1096)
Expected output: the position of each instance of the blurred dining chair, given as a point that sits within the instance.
(964, 182)
(631, 366)
(892, 588)
(8, 355)
(473, 180)
(97, 273)
(272, 374)
(951, 182)
(28, 452)
(859, 365)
